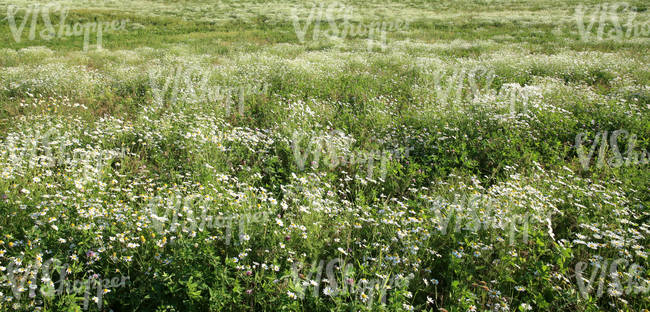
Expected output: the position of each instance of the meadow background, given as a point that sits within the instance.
(520, 162)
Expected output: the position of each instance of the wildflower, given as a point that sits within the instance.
(327, 291)
(292, 295)
(520, 288)
(614, 292)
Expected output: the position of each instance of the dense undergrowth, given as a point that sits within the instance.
(492, 209)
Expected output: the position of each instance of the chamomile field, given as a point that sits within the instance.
(419, 155)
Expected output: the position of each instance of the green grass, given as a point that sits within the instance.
(190, 161)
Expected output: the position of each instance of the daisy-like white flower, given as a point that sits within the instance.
(292, 295)
(520, 288)
(429, 300)
(526, 306)
(327, 291)
(364, 297)
(618, 244)
(407, 307)
(614, 293)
